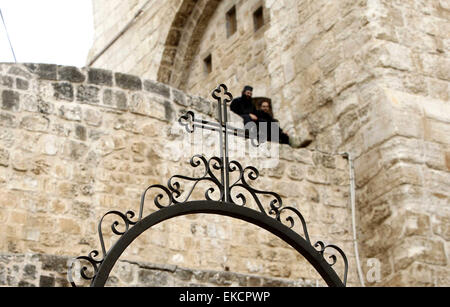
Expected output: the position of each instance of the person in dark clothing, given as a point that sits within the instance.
(265, 115)
(244, 107)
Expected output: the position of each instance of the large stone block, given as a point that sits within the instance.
(100, 77)
(20, 72)
(6, 81)
(93, 117)
(88, 94)
(441, 226)
(347, 74)
(421, 249)
(392, 55)
(7, 121)
(437, 131)
(415, 275)
(157, 88)
(416, 224)
(49, 145)
(128, 82)
(10, 100)
(63, 91)
(70, 74)
(71, 113)
(4, 157)
(44, 71)
(115, 99)
(74, 150)
(35, 123)
(152, 106)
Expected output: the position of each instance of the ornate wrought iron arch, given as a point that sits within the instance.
(173, 201)
(173, 206)
(226, 209)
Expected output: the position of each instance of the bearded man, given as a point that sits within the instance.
(244, 107)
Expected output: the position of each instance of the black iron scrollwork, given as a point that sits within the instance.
(218, 90)
(333, 257)
(187, 121)
(170, 195)
(251, 173)
(91, 257)
(175, 193)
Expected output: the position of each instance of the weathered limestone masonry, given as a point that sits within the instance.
(32, 270)
(146, 42)
(77, 143)
(370, 77)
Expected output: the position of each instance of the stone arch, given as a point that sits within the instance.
(183, 39)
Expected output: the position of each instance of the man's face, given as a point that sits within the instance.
(248, 93)
(265, 107)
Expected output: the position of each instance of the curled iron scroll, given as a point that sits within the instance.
(91, 258)
(323, 247)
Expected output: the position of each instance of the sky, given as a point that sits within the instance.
(47, 31)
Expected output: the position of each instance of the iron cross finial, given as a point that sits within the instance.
(224, 128)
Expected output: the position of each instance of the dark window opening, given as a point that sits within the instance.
(258, 18)
(208, 64)
(231, 21)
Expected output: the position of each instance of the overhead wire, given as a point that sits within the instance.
(7, 35)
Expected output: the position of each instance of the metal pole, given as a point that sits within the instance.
(227, 179)
(222, 170)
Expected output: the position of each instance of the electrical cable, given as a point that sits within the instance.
(353, 206)
(348, 156)
(7, 35)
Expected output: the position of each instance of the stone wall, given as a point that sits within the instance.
(37, 270)
(237, 59)
(77, 143)
(401, 141)
(139, 49)
(368, 77)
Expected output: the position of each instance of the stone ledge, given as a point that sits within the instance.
(94, 86)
